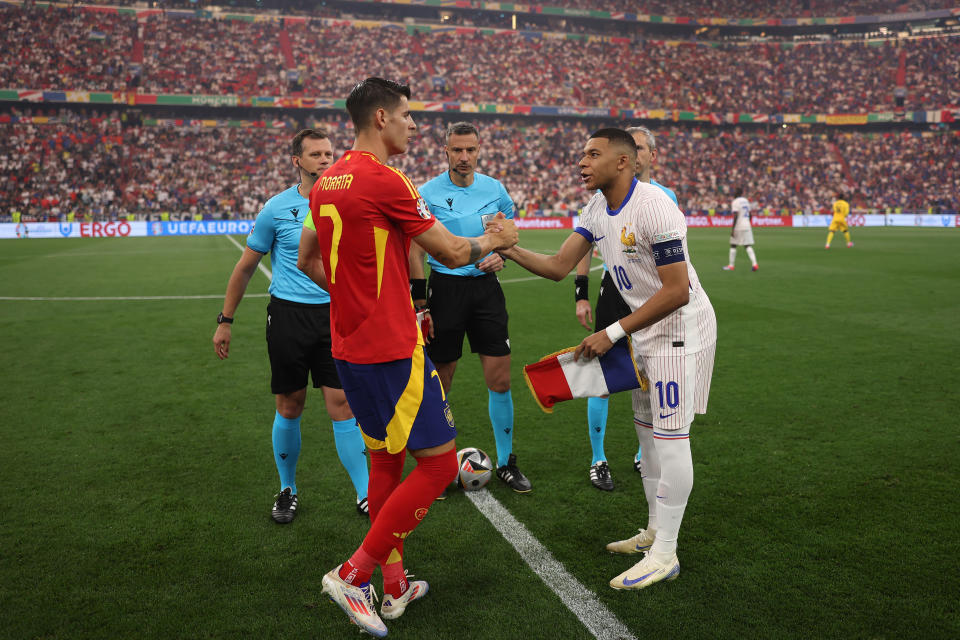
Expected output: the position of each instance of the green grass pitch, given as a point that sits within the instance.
(136, 472)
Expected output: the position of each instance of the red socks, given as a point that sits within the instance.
(385, 472)
(359, 568)
(407, 505)
(395, 579)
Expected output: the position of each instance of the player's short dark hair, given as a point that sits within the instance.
(737, 191)
(296, 145)
(461, 129)
(617, 137)
(372, 94)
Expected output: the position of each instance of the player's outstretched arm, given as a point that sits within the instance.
(456, 251)
(309, 258)
(236, 287)
(555, 267)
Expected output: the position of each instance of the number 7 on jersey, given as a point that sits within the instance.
(330, 211)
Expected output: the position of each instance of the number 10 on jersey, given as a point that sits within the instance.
(620, 276)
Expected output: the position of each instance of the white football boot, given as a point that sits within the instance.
(647, 572)
(392, 608)
(637, 544)
(356, 601)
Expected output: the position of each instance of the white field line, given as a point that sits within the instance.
(598, 620)
(260, 266)
(214, 296)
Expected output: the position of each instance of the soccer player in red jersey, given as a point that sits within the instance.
(364, 215)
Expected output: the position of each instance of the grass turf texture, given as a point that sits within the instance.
(137, 474)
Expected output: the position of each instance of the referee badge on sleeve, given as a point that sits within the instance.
(423, 209)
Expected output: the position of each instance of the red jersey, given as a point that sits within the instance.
(365, 213)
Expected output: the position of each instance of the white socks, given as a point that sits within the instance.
(752, 256)
(676, 483)
(650, 471)
(733, 255)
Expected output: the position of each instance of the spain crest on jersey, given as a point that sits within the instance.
(423, 209)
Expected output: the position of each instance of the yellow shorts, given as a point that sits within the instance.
(838, 225)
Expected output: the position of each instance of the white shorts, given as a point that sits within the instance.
(679, 388)
(742, 237)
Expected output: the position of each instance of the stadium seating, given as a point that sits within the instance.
(751, 9)
(110, 167)
(205, 56)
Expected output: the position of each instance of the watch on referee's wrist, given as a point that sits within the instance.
(222, 319)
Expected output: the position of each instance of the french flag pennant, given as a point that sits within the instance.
(557, 377)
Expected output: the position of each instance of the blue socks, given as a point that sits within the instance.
(597, 424)
(500, 406)
(286, 449)
(350, 448)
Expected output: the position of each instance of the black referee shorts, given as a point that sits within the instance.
(298, 341)
(610, 305)
(471, 305)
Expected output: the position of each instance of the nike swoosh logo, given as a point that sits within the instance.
(627, 582)
(599, 238)
(662, 417)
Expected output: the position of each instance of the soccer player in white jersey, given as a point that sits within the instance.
(610, 307)
(642, 237)
(741, 235)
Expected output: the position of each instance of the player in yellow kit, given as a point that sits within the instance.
(841, 209)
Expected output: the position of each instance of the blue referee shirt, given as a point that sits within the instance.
(464, 210)
(666, 190)
(277, 231)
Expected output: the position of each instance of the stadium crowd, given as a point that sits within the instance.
(205, 56)
(685, 8)
(753, 9)
(109, 167)
(81, 50)
(212, 57)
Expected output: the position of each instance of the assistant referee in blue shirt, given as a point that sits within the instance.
(298, 329)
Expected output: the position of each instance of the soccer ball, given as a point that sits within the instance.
(474, 469)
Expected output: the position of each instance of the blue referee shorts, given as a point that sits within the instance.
(399, 404)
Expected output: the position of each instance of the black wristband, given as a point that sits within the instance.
(418, 288)
(581, 286)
